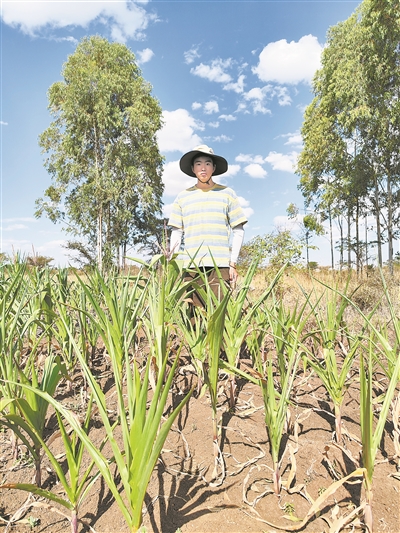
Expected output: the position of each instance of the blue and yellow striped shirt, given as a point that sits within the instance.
(206, 218)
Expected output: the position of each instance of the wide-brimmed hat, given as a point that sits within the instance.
(221, 164)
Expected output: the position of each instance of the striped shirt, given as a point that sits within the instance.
(206, 217)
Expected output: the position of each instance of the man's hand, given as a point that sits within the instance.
(233, 275)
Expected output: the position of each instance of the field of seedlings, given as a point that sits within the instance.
(124, 409)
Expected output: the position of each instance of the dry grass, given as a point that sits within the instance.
(365, 291)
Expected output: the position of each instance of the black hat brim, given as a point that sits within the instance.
(185, 163)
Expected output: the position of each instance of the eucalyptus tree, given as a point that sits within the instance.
(309, 225)
(353, 122)
(101, 150)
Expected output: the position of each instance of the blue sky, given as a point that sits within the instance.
(235, 75)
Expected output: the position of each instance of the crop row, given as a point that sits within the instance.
(52, 322)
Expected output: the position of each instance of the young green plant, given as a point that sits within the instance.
(139, 420)
(239, 321)
(333, 370)
(75, 483)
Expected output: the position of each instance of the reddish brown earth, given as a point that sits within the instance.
(180, 495)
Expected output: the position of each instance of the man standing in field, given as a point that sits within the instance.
(205, 215)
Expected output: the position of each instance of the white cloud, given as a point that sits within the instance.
(178, 132)
(144, 56)
(284, 162)
(282, 94)
(257, 97)
(68, 39)
(2, 123)
(19, 219)
(215, 71)
(125, 19)
(293, 139)
(255, 170)
(196, 105)
(242, 108)
(222, 138)
(175, 180)
(211, 107)
(228, 118)
(245, 204)
(292, 63)
(12, 227)
(237, 87)
(167, 210)
(191, 55)
(250, 158)
(214, 124)
(232, 171)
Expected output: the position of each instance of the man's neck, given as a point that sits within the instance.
(205, 186)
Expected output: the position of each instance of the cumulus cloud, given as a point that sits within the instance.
(245, 204)
(178, 132)
(222, 138)
(167, 210)
(293, 139)
(228, 118)
(144, 56)
(259, 96)
(191, 55)
(237, 87)
(214, 124)
(291, 63)
(233, 170)
(215, 71)
(255, 170)
(250, 158)
(282, 95)
(125, 19)
(284, 162)
(211, 107)
(175, 180)
(196, 105)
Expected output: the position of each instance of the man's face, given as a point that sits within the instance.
(203, 168)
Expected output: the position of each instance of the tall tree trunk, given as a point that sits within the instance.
(331, 240)
(340, 222)
(348, 237)
(366, 241)
(124, 255)
(378, 220)
(100, 239)
(390, 223)
(357, 247)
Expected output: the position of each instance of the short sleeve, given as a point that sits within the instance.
(236, 215)
(176, 219)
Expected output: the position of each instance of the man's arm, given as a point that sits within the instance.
(175, 240)
(237, 241)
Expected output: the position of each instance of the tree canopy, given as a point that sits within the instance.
(349, 166)
(102, 151)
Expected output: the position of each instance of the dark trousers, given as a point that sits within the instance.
(213, 280)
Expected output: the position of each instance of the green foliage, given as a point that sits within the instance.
(278, 247)
(349, 166)
(102, 152)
